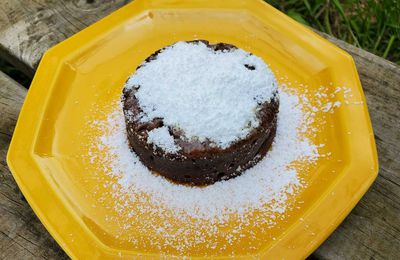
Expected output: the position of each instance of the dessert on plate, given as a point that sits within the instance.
(197, 113)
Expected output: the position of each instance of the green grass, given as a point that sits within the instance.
(373, 25)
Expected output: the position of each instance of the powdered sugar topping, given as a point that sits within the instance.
(161, 138)
(209, 95)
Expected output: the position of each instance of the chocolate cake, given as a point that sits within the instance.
(183, 131)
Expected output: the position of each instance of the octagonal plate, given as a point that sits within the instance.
(90, 68)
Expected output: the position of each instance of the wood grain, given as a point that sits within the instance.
(22, 236)
(28, 28)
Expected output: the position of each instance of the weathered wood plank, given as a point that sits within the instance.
(28, 28)
(372, 230)
(22, 236)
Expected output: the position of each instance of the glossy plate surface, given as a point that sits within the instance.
(91, 68)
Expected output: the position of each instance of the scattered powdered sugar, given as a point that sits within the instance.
(225, 216)
(218, 91)
(161, 138)
(220, 218)
(267, 184)
(244, 213)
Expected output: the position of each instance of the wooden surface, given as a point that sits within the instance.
(28, 28)
(22, 236)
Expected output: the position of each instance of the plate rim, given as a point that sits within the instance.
(21, 161)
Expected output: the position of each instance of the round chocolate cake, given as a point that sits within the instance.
(197, 113)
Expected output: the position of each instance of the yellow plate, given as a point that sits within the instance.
(88, 70)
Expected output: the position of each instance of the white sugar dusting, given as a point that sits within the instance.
(268, 182)
(218, 91)
(162, 138)
(224, 216)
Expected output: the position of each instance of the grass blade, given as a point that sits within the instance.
(327, 22)
(378, 41)
(308, 6)
(298, 17)
(339, 7)
(389, 46)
